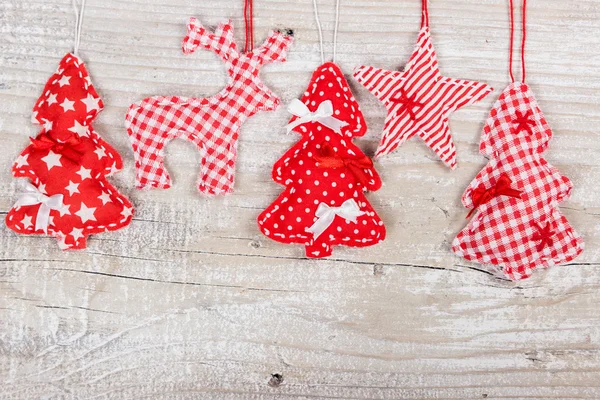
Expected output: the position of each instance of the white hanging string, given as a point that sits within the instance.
(78, 24)
(320, 30)
(335, 31)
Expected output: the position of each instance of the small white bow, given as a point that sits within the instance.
(349, 210)
(33, 196)
(323, 115)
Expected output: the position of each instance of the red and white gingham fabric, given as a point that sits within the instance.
(506, 231)
(212, 123)
(419, 100)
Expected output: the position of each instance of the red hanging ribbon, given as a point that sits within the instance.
(523, 39)
(356, 165)
(424, 14)
(46, 142)
(544, 235)
(481, 195)
(249, 25)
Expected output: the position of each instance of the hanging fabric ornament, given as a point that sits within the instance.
(213, 123)
(517, 225)
(67, 163)
(325, 174)
(419, 100)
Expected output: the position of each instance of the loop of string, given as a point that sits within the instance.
(249, 24)
(335, 31)
(320, 30)
(523, 39)
(424, 14)
(78, 24)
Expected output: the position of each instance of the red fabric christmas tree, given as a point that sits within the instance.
(69, 196)
(325, 174)
(518, 225)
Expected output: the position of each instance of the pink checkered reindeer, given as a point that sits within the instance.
(212, 123)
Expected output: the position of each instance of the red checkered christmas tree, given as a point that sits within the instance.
(518, 225)
(69, 196)
(325, 174)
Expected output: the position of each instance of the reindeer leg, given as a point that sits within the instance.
(149, 159)
(217, 171)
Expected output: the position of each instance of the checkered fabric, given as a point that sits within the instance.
(518, 234)
(212, 123)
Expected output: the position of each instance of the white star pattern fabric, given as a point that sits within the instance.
(67, 164)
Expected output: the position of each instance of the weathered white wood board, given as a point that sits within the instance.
(190, 302)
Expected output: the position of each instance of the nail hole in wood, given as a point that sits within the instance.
(276, 380)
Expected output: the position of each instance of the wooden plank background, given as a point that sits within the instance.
(191, 302)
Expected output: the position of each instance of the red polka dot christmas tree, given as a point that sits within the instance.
(325, 174)
(67, 164)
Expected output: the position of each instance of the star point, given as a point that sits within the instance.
(21, 161)
(84, 173)
(64, 210)
(27, 222)
(127, 212)
(86, 213)
(48, 126)
(104, 197)
(52, 160)
(52, 99)
(420, 100)
(81, 130)
(77, 234)
(67, 105)
(65, 80)
(91, 103)
(100, 153)
(72, 187)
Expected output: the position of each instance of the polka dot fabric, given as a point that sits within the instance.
(518, 232)
(323, 169)
(69, 161)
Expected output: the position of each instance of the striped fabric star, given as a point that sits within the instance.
(420, 99)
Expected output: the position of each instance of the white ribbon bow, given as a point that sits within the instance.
(33, 196)
(323, 115)
(349, 210)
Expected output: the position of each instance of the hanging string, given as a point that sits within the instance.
(523, 40)
(249, 24)
(424, 14)
(78, 25)
(335, 31)
(320, 30)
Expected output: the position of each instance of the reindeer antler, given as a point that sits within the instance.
(275, 47)
(222, 41)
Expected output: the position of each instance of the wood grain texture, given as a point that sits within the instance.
(190, 302)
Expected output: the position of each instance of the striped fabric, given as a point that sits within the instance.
(420, 100)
